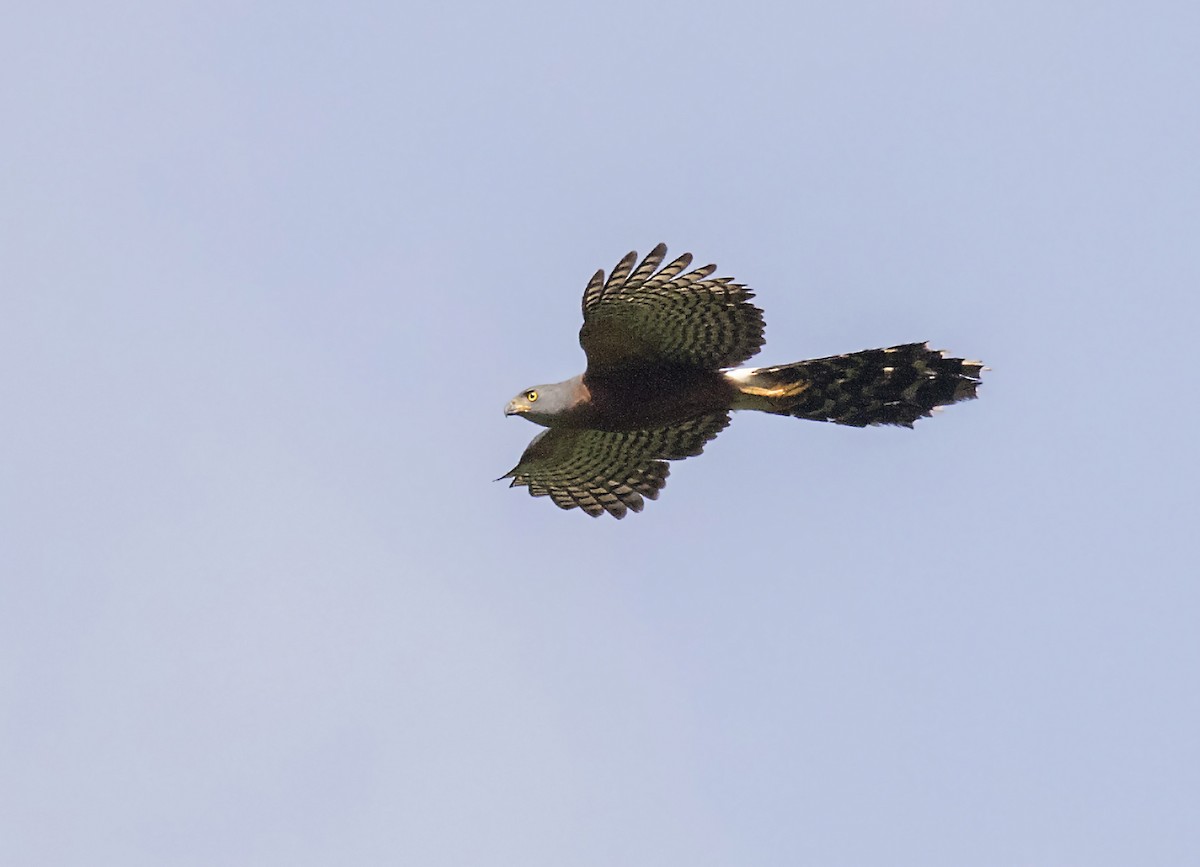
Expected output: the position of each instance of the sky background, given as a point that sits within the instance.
(269, 273)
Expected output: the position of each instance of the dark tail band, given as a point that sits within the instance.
(897, 385)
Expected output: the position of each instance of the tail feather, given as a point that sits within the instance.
(897, 385)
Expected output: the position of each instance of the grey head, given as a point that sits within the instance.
(544, 404)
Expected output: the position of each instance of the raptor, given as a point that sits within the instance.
(663, 346)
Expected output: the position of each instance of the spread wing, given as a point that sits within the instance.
(638, 317)
(609, 471)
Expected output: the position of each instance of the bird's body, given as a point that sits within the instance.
(644, 398)
(663, 351)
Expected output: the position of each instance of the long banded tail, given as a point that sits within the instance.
(897, 385)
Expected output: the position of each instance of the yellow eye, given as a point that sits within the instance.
(531, 395)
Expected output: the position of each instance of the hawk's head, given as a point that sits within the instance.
(542, 404)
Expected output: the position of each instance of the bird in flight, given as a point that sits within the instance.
(663, 346)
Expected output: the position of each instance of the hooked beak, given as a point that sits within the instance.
(515, 407)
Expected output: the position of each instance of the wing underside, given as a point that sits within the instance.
(609, 471)
(645, 315)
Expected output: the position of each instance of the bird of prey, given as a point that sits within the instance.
(663, 346)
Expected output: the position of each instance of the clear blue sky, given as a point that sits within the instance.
(268, 275)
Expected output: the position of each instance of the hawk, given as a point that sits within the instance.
(663, 346)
